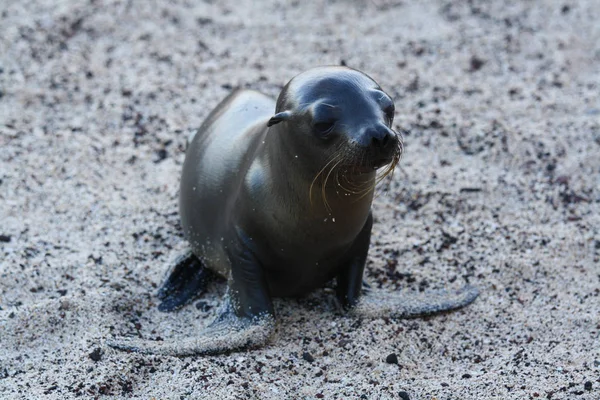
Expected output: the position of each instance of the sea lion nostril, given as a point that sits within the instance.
(381, 140)
(386, 140)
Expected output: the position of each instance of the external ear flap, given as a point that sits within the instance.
(277, 118)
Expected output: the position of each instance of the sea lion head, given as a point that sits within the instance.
(341, 118)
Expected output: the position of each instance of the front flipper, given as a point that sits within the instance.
(350, 279)
(186, 279)
(377, 303)
(227, 333)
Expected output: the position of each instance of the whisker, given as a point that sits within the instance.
(359, 187)
(337, 155)
(333, 158)
(323, 191)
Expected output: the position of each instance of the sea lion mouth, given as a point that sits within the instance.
(380, 162)
(367, 166)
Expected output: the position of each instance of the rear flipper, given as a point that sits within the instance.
(247, 318)
(186, 280)
(376, 304)
(227, 333)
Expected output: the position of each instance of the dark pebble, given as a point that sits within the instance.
(5, 238)
(203, 306)
(308, 357)
(96, 355)
(588, 386)
(470, 190)
(392, 359)
(404, 396)
(466, 376)
(161, 155)
(476, 63)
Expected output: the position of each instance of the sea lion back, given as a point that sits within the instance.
(216, 163)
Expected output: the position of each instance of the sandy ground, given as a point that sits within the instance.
(499, 187)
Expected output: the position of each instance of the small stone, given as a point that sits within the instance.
(476, 63)
(203, 306)
(161, 155)
(392, 359)
(5, 238)
(308, 357)
(588, 386)
(404, 396)
(466, 376)
(96, 355)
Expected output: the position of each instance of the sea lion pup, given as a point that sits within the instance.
(280, 203)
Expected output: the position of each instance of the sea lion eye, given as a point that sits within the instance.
(389, 112)
(324, 128)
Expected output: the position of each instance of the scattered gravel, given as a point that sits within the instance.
(498, 188)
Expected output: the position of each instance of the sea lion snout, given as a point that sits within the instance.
(381, 140)
(376, 145)
(379, 137)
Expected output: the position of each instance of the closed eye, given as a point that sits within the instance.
(323, 128)
(389, 112)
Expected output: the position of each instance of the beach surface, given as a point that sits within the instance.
(499, 187)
